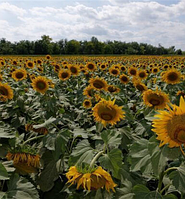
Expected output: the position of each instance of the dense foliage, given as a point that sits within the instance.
(46, 46)
(75, 127)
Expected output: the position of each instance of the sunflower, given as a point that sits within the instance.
(156, 99)
(64, 74)
(74, 69)
(40, 84)
(91, 180)
(139, 85)
(155, 70)
(41, 130)
(132, 71)
(123, 68)
(89, 91)
(107, 112)
(19, 74)
(103, 66)
(6, 92)
(113, 89)
(39, 61)
(57, 68)
(114, 71)
(90, 66)
(48, 57)
(87, 103)
(142, 74)
(98, 83)
(24, 162)
(30, 64)
(169, 125)
(1, 78)
(124, 78)
(172, 76)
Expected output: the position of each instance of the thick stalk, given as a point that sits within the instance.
(34, 138)
(95, 158)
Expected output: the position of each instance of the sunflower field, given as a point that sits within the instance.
(93, 127)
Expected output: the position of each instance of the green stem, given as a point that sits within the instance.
(160, 181)
(169, 169)
(166, 187)
(95, 158)
(33, 138)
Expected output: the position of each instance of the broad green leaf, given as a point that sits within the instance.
(80, 132)
(112, 161)
(2, 194)
(140, 157)
(142, 192)
(47, 122)
(48, 176)
(170, 196)
(83, 152)
(21, 188)
(3, 173)
(111, 137)
(158, 159)
(178, 178)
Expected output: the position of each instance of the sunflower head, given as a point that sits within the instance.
(98, 83)
(87, 103)
(19, 74)
(40, 84)
(89, 91)
(124, 78)
(132, 71)
(169, 125)
(93, 179)
(139, 85)
(172, 76)
(114, 71)
(156, 99)
(64, 74)
(90, 66)
(30, 64)
(74, 69)
(25, 160)
(106, 112)
(113, 89)
(142, 74)
(6, 92)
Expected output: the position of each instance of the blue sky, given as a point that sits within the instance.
(144, 21)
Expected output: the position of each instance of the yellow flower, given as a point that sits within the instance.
(24, 162)
(169, 125)
(124, 78)
(114, 71)
(6, 92)
(156, 99)
(90, 66)
(64, 74)
(19, 74)
(139, 85)
(94, 180)
(74, 69)
(142, 74)
(113, 89)
(98, 83)
(40, 84)
(89, 91)
(107, 112)
(87, 103)
(132, 71)
(172, 76)
(30, 64)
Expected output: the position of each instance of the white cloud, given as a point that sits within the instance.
(148, 22)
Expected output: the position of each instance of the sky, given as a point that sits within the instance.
(144, 21)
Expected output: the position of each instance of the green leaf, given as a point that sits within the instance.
(158, 159)
(83, 152)
(80, 132)
(178, 178)
(21, 188)
(47, 122)
(111, 137)
(48, 176)
(140, 157)
(112, 161)
(3, 173)
(142, 191)
(170, 196)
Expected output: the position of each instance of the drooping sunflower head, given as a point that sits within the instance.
(169, 125)
(98, 83)
(172, 76)
(19, 74)
(6, 92)
(96, 179)
(106, 112)
(64, 74)
(139, 85)
(87, 103)
(90, 66)
(89, 91)
(24, 162)
(156, 99)
(124, 78)
(40, 84)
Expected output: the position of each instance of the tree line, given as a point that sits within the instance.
(46, 45)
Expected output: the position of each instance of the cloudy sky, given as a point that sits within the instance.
(153, 22)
